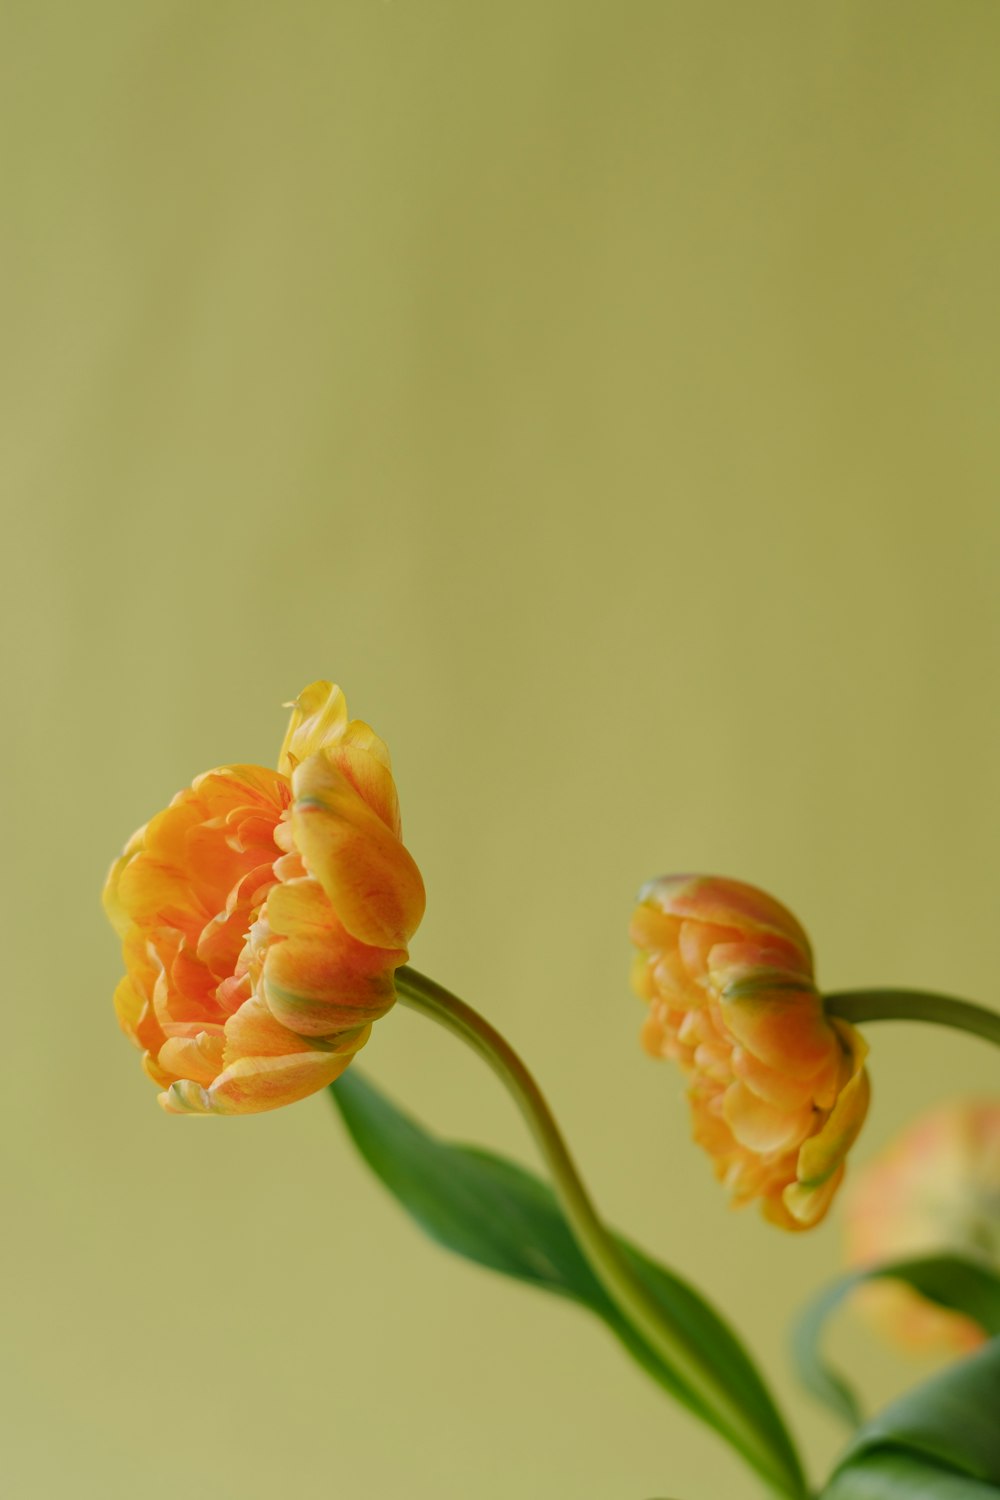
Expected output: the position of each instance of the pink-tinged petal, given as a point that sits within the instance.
(934, 1189)
(319, 719)
(720, 902)
(371, 881)
(746, 964)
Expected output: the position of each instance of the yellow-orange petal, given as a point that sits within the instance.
(370, 879)
(317, 979)
(785, 1028)
(807, 1203)
(783, 1090)
(361, 736)
(652, 928)
(197, 1057)
(116, 912)
(371, 778)
(763, 1127)
(319, 719)
(130, 1007)
(267, 1066)
(823, 1153)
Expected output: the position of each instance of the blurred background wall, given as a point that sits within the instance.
(605, 396)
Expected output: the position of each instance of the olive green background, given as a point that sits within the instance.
(606, 396)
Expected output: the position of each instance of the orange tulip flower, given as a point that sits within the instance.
(778, 1090)
(263, 915)
(934, 1189)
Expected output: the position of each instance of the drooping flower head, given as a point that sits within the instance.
(263, 915)
(934, 1189)
(778, 1090)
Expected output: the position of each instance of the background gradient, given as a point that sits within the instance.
(604, 395)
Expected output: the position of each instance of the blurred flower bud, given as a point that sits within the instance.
(934, 1189)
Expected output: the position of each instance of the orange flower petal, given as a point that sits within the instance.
(116, 912)
(371, 881)
(763, 1127)
(267, 1066)
(823, 1152)
(721, 902)
(318, 979)
(371, 778)
(193, 1057)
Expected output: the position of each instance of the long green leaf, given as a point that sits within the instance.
(951, 1281)
(494, 1213)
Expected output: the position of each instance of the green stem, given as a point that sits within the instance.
(858, 1006)
(606, 1260)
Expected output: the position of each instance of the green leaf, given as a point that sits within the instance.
(941, 1440)
(951, 1281)
(952, 1419)
(900, 1476)
(494, 1213)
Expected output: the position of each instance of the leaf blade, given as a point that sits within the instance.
(901, 1476)
(498, 1215)
(950, 1420)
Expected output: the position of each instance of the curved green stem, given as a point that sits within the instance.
(608, 1264)
(858, 1006)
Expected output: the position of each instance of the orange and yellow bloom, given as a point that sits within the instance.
(778, 1090)
(935, 1189)
(263, 915)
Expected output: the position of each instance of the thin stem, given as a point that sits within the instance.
(606, 1260)
(859, 1006)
